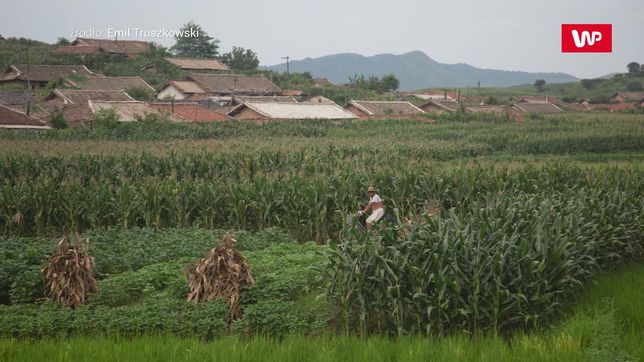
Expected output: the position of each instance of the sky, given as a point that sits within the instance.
(495, 34)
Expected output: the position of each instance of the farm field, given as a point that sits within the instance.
(525, 217)
(606, 324)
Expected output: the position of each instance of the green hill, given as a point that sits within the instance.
(593, 89)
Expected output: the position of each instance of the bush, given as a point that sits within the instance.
(106, 118)
(162, 315)
(58, 121)
(140, 93)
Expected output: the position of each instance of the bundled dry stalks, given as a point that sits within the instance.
(221, 273)
(69, 276)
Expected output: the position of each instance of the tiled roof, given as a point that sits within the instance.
(74, 96)
(197, 63)
(44, 73)
(13, 98)
(128, 111)
(110, 83)
(11, 118)
(129, 47)
(530, 107)
(238, 84)
(379, 108)
(283, 110)
(190, 112)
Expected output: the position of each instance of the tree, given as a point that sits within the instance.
(634, 86)
(587, 83)
(62, 41)
(193, 41)
(634, 67)
(389, 83)
(240, 59)
(539, 84)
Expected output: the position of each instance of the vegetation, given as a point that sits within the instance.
(606, 324)
(539, 84)
(575, 91)
(240, 59)
(193, 41)
(525, 216)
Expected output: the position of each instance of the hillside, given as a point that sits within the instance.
(571, 91)
(415, 70)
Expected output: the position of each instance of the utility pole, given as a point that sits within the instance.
(288, 70)
(28, 83)
(230, 104)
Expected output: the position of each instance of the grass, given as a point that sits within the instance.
(607, 324)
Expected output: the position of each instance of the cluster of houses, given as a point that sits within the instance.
(210, 92)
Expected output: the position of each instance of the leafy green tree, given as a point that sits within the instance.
(539, 83)
(62, 41)
(193, 41)
(389, 82)
(634, 67)
(240, 59)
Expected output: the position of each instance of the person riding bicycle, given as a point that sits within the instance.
(375, 205)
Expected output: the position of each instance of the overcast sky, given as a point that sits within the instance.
(499, 34)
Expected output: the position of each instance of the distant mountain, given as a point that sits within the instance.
(415, 70)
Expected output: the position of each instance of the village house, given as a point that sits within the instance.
(190, 111)
(536, 99)
(537, 107)
(130, 111)
(440, 106)
(435, 95)
(38, 75)
(180, 90)
(377, 109)
(287, 110)
(12, 99)
(59, 99)
(498, 110)
(14, 119)
(110, 83)
(198, 65)
(627, 97)
(581, 106)
(218, 85)
(318, 99)
(237, 100)
(87, 46)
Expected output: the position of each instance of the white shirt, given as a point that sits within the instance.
(375, 199)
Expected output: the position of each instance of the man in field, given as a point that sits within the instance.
(375, 205)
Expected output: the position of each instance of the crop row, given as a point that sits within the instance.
(310, 208)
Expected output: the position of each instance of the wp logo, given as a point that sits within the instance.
(586, 38)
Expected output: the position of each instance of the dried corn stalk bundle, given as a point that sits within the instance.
(69, 276)
(221, 273)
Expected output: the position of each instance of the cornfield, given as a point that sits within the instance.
(295, 191)
(506, 262)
